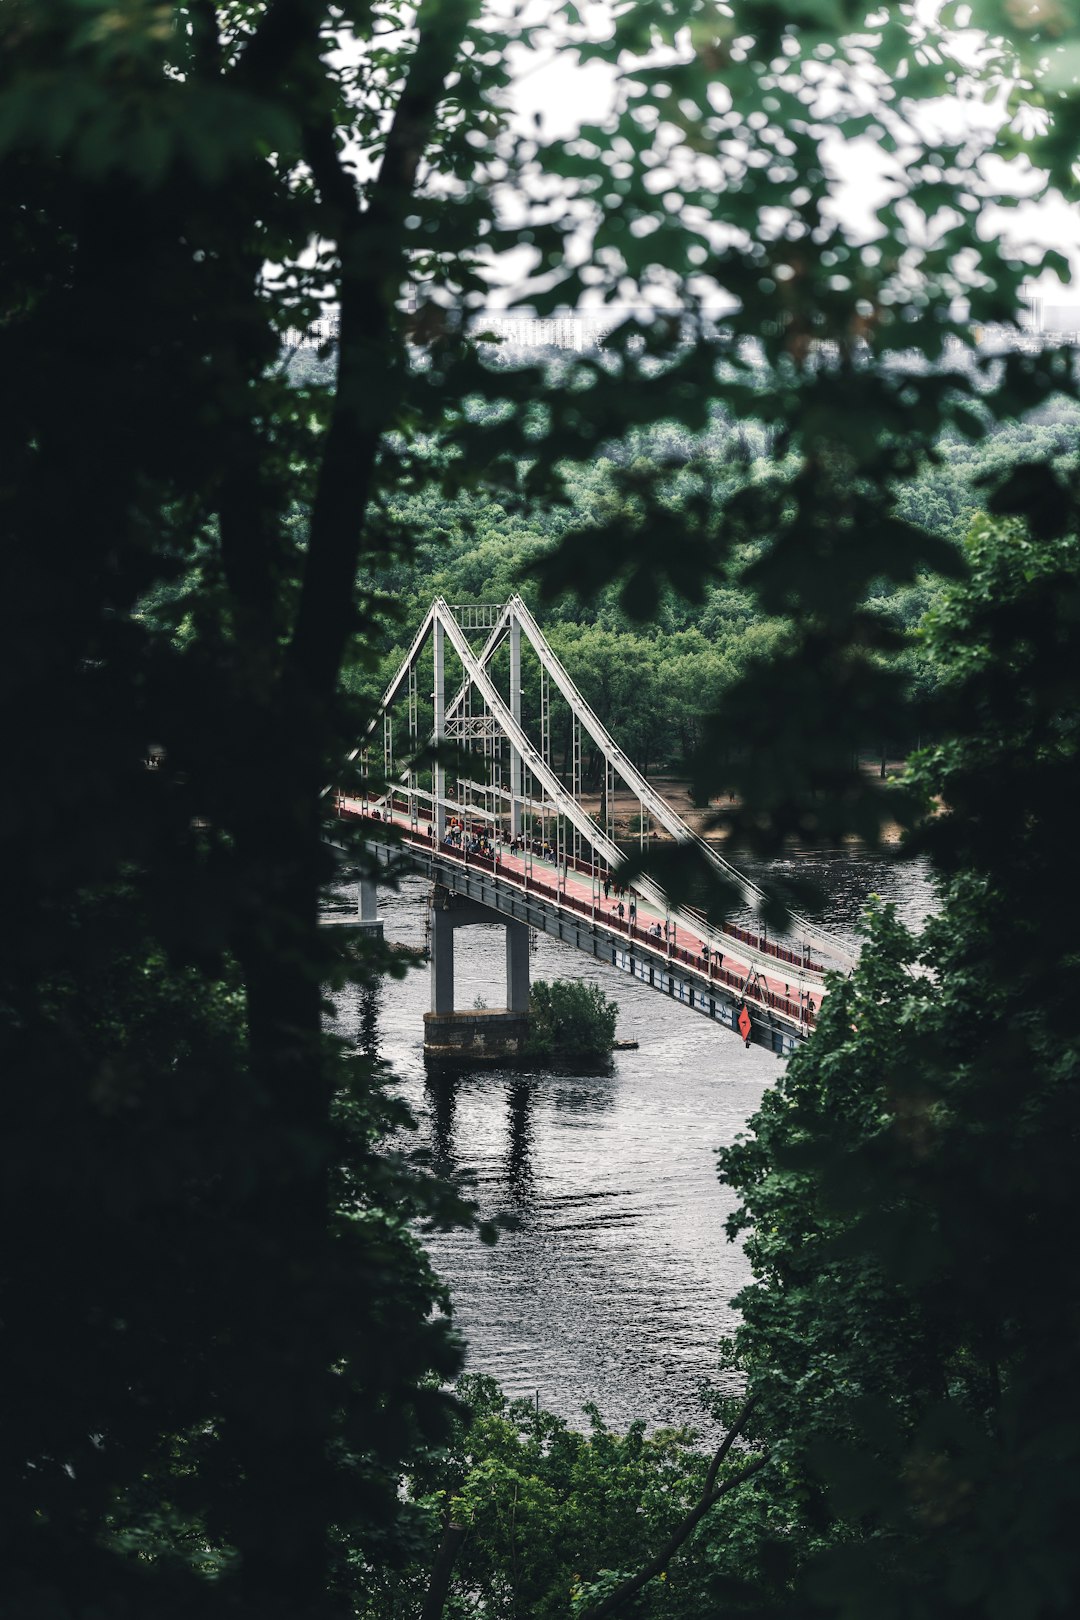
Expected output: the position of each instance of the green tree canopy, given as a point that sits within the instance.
(220, 1327)
(907, 1191)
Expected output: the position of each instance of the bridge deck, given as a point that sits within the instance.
(791, 1003)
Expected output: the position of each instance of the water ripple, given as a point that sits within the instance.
(615, 1287)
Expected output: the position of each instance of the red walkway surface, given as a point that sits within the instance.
(573, 892)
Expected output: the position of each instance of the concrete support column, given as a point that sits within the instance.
(515, 710)
(442, 960)
(482, 1033)
(439, 775)
(517, 967)
(367, 899)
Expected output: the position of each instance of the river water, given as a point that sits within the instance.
(616, 1285)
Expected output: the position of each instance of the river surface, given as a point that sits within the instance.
(616, 1286)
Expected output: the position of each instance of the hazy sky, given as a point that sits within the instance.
(564, 94)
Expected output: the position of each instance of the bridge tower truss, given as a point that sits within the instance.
(485, 718)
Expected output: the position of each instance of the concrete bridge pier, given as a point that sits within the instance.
(480, 1032)
(367, 900)
(365, 919)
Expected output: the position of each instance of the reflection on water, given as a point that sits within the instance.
(440, 1090)
(519, 1177)
(366, 1034)
(615, 1285)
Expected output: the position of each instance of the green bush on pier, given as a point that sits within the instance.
(570, 1019)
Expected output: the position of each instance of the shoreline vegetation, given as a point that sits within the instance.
(677, 789)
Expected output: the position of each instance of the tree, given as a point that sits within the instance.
(852, 347)
(913, 1157)
(545, 1519)
(219, 1323)
(907, 1190)
(570, 1019)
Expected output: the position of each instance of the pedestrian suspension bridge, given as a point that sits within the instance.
(508, 838)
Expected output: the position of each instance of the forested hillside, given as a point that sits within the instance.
(653, 677)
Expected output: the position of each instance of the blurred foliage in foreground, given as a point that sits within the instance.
(908, 1198)
(222, 1342)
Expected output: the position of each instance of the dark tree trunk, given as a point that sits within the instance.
(442, 1571)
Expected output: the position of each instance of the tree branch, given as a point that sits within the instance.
(370, 364)
(206, 53)
(286, 26)
(710, 1495)
(741, 1419)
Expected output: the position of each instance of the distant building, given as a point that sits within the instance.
(519, 331)
(323, 330)
(1058, 322)
(514, 330)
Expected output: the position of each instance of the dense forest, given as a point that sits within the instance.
(652, 680)
(827, 520)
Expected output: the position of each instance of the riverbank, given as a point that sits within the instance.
(700, 818)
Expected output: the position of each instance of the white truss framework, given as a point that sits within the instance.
(647, 796)
(455, 721)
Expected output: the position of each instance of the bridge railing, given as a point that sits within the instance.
(800, 1012)
(769, 947)
(745, 936)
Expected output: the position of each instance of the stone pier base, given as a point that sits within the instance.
(479, 1035)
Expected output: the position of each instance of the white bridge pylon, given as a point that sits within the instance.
(517, 790)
